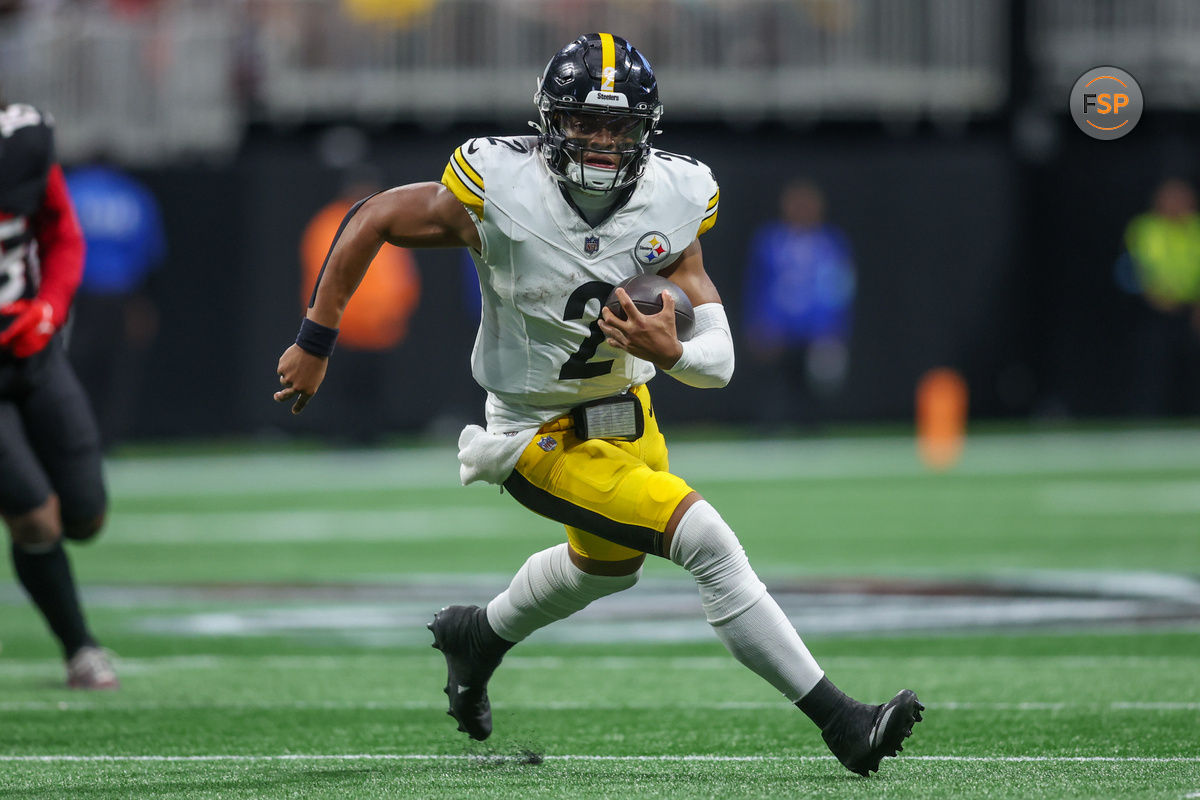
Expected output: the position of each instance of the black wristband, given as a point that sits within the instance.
(315, 338)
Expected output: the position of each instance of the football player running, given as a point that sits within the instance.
(553, 223)
(51, 479)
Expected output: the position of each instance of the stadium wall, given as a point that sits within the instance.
(968, 255)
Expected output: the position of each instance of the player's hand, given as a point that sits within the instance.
(32, 327)
(300, 375)
(648, 336)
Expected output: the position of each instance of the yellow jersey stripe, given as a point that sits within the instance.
(465, 194)
(712, 201)
(707, 223)
(467, 169)
(608, 63)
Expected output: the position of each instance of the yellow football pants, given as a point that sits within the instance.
(615, 498)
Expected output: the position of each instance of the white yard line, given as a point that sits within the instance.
(581, 757)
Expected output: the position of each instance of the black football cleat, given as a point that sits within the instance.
(862, 735)
(457, 632)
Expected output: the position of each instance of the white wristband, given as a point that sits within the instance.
(707, 360)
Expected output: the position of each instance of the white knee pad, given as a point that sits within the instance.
(547, 588)
(708, 548)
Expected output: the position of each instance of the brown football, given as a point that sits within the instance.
(646, 293)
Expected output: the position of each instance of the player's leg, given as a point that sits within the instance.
(624, 493)
(50, 441)
(555, 583)
(609, 495)
(736, 603)
(615, 491)
(551, 585)
(569, 480)
(31, 514)
(63, 433)
(755, 630)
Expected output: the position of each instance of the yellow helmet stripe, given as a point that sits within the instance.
(608, 63)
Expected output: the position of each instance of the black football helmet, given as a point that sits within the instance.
(598, 104)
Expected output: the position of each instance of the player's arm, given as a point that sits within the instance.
(60, 250)
(705, 360)
(416, 215)
(688, 274)
(652, 336)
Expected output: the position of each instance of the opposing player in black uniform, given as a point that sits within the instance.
(51, 483)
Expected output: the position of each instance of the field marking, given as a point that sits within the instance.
(553, 705)
(583, 757)
(393, 622)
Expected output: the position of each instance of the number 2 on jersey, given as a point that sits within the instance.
(577, 366)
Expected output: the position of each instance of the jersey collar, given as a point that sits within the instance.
(571, 223)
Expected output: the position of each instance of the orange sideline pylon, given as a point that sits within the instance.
(941, 417)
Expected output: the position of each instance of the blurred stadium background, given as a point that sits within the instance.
(268, 599)
(984, 225)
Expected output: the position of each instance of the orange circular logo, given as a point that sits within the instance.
(1106, 102)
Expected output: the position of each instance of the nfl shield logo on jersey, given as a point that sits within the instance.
(591, 244)
(547, 443)
(652, 249)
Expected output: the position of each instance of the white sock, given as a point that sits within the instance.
(746, 619)
(547, 588)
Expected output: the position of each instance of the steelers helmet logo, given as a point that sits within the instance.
(652, 249)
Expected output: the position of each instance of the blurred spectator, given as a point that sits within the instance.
(376, 319)
(115, 319)
(1163, 266)
(799, 297)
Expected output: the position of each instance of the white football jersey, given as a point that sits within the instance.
(544, 272)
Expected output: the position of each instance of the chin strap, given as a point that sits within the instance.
(555, 143)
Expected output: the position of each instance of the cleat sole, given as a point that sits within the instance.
(470, 709)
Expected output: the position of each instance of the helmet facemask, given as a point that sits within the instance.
(595, 150)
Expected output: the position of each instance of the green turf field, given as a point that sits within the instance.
(268, 611)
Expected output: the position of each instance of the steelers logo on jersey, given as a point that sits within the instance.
(652, 249)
